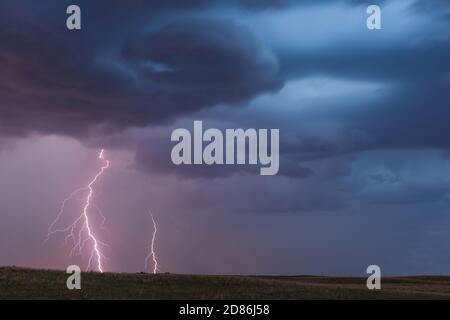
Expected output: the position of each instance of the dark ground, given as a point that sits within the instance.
(19, 283)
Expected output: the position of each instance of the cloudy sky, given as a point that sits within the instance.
(364, 134)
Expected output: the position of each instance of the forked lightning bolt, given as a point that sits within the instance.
(81, 231)
(152, 253)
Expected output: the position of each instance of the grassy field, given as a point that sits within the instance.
(19, 283)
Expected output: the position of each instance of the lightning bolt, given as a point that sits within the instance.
(80, 230)
(152, 253)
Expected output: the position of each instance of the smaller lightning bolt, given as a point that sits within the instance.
(152, 253)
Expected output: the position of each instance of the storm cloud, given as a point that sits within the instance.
(180, 68)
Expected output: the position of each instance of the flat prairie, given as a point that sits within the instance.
(21, 283)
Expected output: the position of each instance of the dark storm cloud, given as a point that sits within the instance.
(411, 109)
(46, 81)
(147, 64)
(199, 63)
(52, 82)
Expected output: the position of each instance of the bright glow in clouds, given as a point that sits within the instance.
(83, 223)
